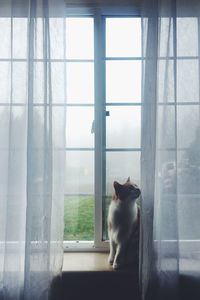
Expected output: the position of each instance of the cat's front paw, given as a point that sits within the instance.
(117, 266)
(110, 260)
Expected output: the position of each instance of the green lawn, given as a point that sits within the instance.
(79, 218)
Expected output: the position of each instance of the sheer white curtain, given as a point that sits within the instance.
(32, 146)
(170, 250)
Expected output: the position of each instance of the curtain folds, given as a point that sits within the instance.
(32, 146)
(170, 249)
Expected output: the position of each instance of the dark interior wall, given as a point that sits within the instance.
(98, 285)
(104, 2)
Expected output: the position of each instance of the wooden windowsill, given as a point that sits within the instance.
(92, 261)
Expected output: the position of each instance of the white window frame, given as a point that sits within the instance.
(99, 14)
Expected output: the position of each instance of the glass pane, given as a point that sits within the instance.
(15, 133)
(188, 127)
(58, 115)
(79, 199)
(188, 189)
(20, 37)
(39, 85)
(165, 37)
(188, 80)
(79, 173)
(58, 85)
(5, 37)
(189, 169)
(123, 127)
(5, 82)
(166, 82)
(79, 123)
(79, 218)
(187, 36)
(189, 221)
(57, 36)
(166, 127)
(123, 37)
(80, 82)
(20, 82)
(80, 38)
(58, 82)
(39, 39)
(123, 81)
(121, 165)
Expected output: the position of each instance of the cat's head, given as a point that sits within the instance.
(125, 191)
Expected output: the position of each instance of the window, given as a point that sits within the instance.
(182, 140)
(103, 120)
(80, 136)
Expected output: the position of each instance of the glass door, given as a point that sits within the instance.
(123, 62)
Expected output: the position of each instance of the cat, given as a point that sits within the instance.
(123, 225)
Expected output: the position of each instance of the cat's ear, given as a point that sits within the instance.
(117, 186)
(128, 180)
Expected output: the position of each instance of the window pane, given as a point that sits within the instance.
(57, 37)
(79, 218)
(80, 38)
(121, 165)
(79, 199)
(80, 82)
(187, 36)
(166, 82)
(166, 127)
(189, 170)
(165, 37)
(189, 221)
(16, 132)
(58, 115)
(20, 82)
(5, 37)
(39, 39)
(188, 127)
(79, 123)
(188, 80)
(123, 81)
(5, 82)
(123, 127)
(58, 82)
(123, 37)
(39, 82)
(188, 162)
(79, 173)
(20, 37)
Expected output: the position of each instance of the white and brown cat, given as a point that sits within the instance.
(123, 225)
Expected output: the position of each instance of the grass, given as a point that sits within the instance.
(79, 218)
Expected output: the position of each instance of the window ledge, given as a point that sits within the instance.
(91, 261)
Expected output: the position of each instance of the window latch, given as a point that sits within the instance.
(93, 127)
(93, 122)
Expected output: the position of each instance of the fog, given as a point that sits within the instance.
(119, 165)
